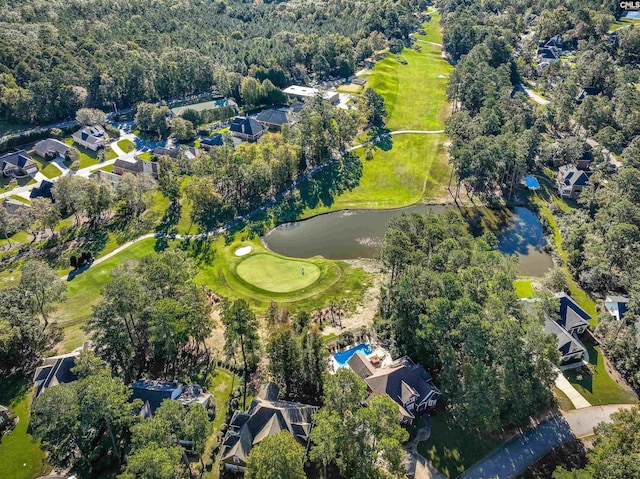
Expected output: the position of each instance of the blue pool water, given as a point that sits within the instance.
(532, 183)
(342, 358)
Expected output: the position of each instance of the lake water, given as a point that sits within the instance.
(351, 234)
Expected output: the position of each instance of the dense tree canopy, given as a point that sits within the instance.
(451, 306)
(60, 56)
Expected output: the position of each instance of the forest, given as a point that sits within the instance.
(56, 57)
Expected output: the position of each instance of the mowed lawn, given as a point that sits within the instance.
(432, 32)
(276, 274)
(451, 449)
(414, 169)
(20, 455)
(415, 92)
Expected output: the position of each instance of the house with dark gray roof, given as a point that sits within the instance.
(56, 370)
(570, 321)
(17, 164)
(570, 181)
(209, 142)
(275, 119)
(407, 383)
(92, 137)
(154, 393)
(585, 92)
(42, 191)
(247, 129)
(267, 415)
(13, 206)
(616, 305)
(571, 316)
(137, 167)
(570, 348)
(50, 149)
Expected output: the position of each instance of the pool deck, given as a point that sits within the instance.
(383, 355)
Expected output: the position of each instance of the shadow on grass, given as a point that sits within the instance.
(168, 226)
(13, 388)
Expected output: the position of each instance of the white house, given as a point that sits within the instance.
(92, 137)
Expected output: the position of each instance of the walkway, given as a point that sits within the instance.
(563, 384)
(513, 457)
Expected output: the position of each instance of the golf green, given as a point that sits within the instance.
(278, 275)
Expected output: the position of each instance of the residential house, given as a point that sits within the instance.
(50, 149)
(571, 316)
(267, 415)
(570, 181)
(570, 348)
(7, 419)
(555, 42)
(137, 167)
(107, 176)
(616, 305)
(275, 119)
(92, 137)
(13, 206)
(56, 370)
(407, 383)
(303, 93)
(247, 129)
(42, 191)
(171, 151)
(208, 142)
(153, 393)
(570, 321)
(585, 92)
(17, 164)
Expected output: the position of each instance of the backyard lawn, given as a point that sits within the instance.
(20, 456)
(524, 289)
(598, 387)
(87, 157)
(451, 449)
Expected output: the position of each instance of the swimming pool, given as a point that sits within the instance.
(531, 183)
(342, 358)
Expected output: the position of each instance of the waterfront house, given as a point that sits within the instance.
(570, 181)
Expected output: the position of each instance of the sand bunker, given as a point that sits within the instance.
(243, 250)
(441, 76)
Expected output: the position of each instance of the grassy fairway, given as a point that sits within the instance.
(413, 169)
(279, 275)
(414, 94)
(431, 29)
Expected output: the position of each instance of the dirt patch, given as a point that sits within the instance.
(368, 308)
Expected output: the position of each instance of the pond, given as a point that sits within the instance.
(351, 234)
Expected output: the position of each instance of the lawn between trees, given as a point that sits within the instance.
(218, 269)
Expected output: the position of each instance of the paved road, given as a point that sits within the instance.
(513, 457)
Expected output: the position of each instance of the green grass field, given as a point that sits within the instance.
(87, 157)
(20, 455)
(414, 169)
(126, 145)
(415, 92)
(51, 171)
(624, 22)
(217, 264)
(432, 31)
(598, 388)
(451, 449)
(524, 288)
(111, 155)
(350, 88)
(275, 274)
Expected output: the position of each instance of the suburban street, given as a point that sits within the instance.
(513, 457)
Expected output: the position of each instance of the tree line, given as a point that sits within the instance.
(60, 56)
